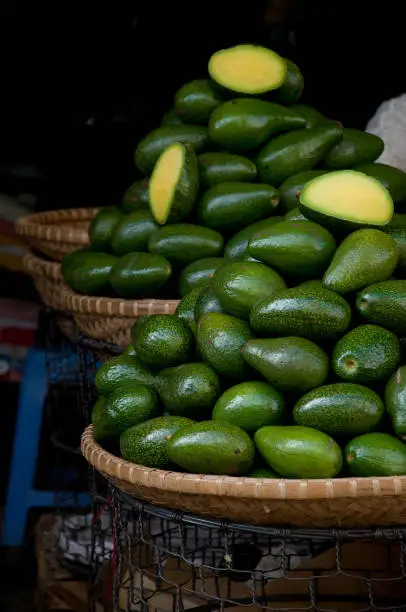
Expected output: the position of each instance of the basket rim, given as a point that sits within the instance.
(37, 266)
(237, 487)
(44, 225)
(86, 304)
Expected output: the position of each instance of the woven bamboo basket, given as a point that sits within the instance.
(111, 319)
(57, 232)
(339, 502)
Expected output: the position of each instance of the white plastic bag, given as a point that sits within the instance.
(389, 122)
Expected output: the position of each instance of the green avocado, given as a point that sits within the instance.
(236, 247)
(385, 304)
(397, 229)
(153, 144)
(395, 400)
(356, 147)
(172, 117)
(340, 409)
(207, 301)
(190, 389)
(288, 364)
(392, 178)
(293, 86)
(121, 370)
(198, 273)
(164, 341)
(128, 405)
(212, 448)
(102, 226)
(299, 452)
(219, 340)
(366, 354)
(291, 189)
(296, 152)
(295, 215)
(138, 275)
(300, 249)
(250, 405)
(147, 443)
(238, 285)
(310, 311)
(376, 454)
(182, 243)
(231, 206)
(195, 101)
(313, 117)
(132, 232)
(88, 272)
(244, 124)
(262, 473)
(185, 310)
(136, 329)
(225, 167)
(365, 257)
(135, 197)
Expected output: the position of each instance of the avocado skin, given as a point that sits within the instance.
(375, 454)
(395, 401)
(385, 304)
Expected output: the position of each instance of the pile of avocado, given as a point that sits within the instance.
(230, 159)
(284, 357)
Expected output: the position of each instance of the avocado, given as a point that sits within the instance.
(182, 243)
(102, 227)
(289, 364)
(190, 389)
(136, 329)
(120, 370)
(240, 284)
(195, 101)
(132, 232)
(392, 178)
(292, 87)
(308, 311)
(138, 275)
(312, 284)
(295, 215)
(97, 412)
(172, 117)
(366, 354)
(397, 229)
(231, 206)
(185, 310)
(291, 189)
(212, 448)
(346, 200)
(250, 405)
(385, 304)
(376, 454)
(356, 147)
(300, 249)
(88, 272)
(395, 400)
(164, 341)
(128, 405)
(130, 351)
(135, 197)
(244, 124)
(236, 247)
(313, 117)
(365, 257)
(248, 69)
(340, 409)
(147, 443)
(207, 301)
(198, 273)
(219, 340)
(299, 452)
(153, 144)
(295, 152)
(225, 167)
(174, 184)
(262, 473)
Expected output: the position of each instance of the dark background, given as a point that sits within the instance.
(80, 87)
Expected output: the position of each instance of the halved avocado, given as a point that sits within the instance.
(346, 198)
(249, 69)
(174, 184)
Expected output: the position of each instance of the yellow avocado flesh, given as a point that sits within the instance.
(350, 196)
(164, 180)
(248, 69)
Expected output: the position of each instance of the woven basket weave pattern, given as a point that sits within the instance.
(345, 502)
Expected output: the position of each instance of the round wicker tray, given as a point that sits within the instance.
(57, 232)
(344, 502)
(111, 319)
